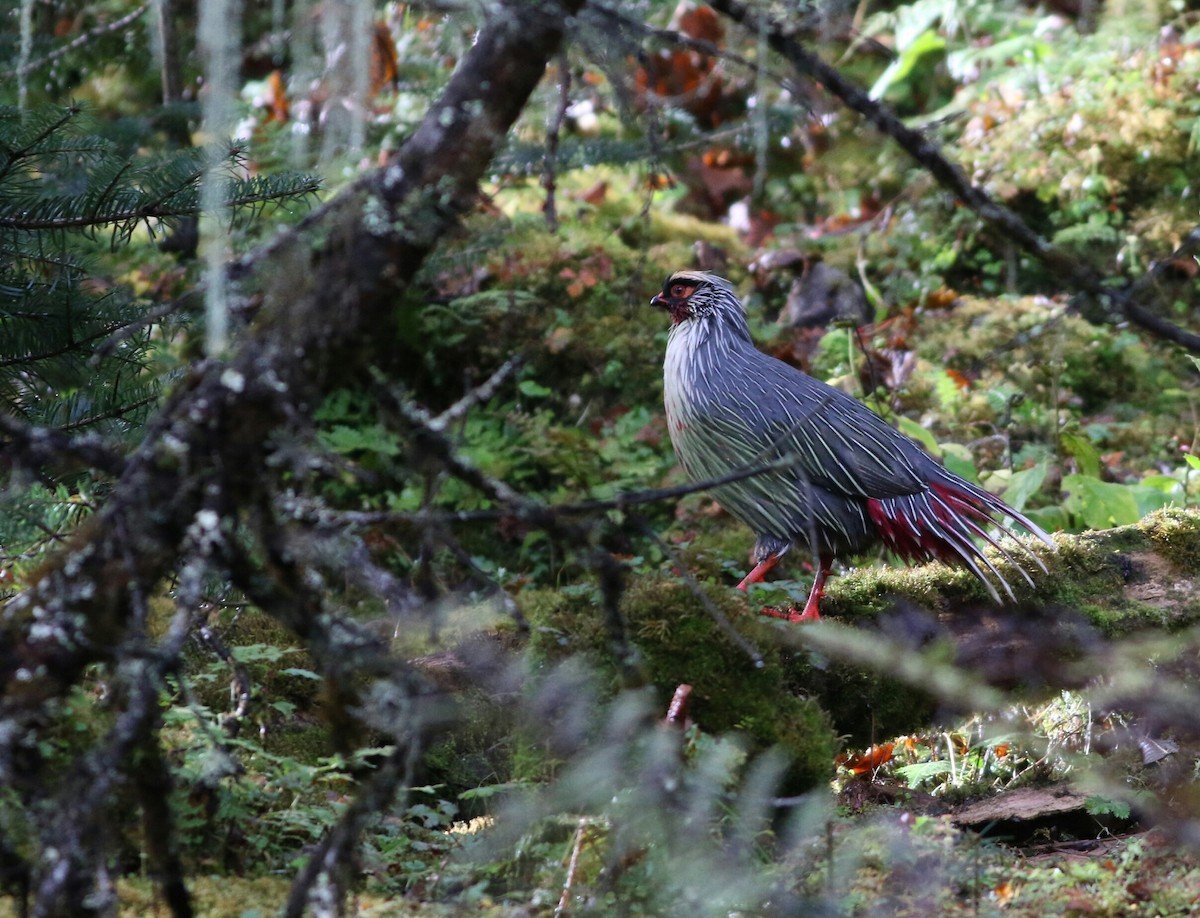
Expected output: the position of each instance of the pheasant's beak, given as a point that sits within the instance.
(657, 300)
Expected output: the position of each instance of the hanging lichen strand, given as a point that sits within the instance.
(345, 37)
(219, 38)
(26, 50)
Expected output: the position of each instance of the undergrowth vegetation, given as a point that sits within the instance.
(641, 742)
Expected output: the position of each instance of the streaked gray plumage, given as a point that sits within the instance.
(844, 477)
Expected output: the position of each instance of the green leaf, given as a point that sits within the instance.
(958, 459)
(1102, 806)
(1024, 484)
(260, 653)
(1148, 498)
(533, 389)
(927, 42)
(1083, 450)
(1100, 504)
(947, 390)
(373, 438)
(919, 772)
(301, 673)
(911, 428)
(1050, 519)
(1190, 458)
(490, 790)
(1165, 483)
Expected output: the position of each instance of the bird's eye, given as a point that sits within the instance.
(679, 291)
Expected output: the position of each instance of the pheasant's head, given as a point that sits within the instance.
(694, 295)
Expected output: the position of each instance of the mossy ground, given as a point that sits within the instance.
(677, 643)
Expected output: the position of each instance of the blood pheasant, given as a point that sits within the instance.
(838, 478)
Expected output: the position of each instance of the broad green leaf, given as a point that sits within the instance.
(490, 790)
(302, 673)
(1100, 504)
(1164, 483)
(958, 459)
(1192, 460)
(1148, 499)
(1026, 48)
(1051, 519)
(1024, 484)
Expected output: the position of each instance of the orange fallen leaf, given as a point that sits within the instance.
(871, 759)
(961, 380)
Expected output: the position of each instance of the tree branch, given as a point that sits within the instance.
(328, 304)
(39, 448)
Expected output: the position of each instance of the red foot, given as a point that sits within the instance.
(760, 571)
(791, 615)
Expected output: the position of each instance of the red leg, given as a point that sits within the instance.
(811, 611)
(760, 570)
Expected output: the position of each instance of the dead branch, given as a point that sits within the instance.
(325, 308)
(329, 294)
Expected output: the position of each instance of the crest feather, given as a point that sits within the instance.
(696, 278)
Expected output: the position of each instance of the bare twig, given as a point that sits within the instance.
(153, 781)
(477, 395)
(677, 712)
(572, 865)
(189, 300)
(243, 686)
(79, 41)
(66, 871)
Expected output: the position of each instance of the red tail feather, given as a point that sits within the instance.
(937, 524)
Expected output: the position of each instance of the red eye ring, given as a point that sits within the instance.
(678, 290)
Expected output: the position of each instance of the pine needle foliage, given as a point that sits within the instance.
(75, 348)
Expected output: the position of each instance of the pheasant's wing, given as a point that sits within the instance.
(838, 444)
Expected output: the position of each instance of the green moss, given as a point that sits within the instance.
(680, 643)
(791, 700)
(477, 749)
(1087, 568)
(1175, 534)
(305, 742)
(1115, 576)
